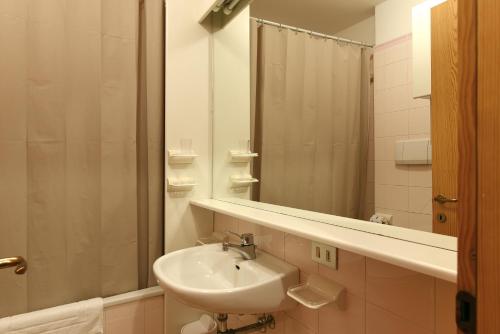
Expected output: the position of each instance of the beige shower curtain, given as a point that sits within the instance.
(81, 148)
(310, 117)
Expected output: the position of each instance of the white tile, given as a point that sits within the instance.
(410, 76)
(419, 121)
(398, 52)
(388, 173)
(391, 197)
(420, 200)
(385, 147)
(380, 101)
(379, 80)
(391, 124)
(420, 176)
(397, 98)
(420, 221)
(396, 74)
(379, 58)
(417, 103)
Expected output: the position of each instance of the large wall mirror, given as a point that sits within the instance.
(342, 112)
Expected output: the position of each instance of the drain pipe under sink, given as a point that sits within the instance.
(262, 323)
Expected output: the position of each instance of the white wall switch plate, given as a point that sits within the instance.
(323, 254)
(413, 152)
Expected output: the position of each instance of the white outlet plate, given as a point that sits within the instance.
(327, 254)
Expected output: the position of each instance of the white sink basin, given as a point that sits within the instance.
(207, 278)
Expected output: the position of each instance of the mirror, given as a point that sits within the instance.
(324, 111)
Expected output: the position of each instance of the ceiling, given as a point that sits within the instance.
(325, 16)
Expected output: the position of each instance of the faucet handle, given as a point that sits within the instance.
(227, 232)
(246, 239)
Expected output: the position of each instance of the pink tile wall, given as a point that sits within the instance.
(140, 317)
(381, 298)
(404, 191)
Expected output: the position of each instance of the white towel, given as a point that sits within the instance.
(84, 317)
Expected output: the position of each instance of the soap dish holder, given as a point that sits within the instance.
(243, 181)
(318, 292)
(179, 157)
(241, 156)
(180, 185)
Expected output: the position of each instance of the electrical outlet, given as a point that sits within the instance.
(316, 252)
(326, 255)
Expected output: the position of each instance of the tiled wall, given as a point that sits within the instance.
(381, 298)
(139, 317)
(404, 191)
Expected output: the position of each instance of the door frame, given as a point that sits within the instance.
(479, 159)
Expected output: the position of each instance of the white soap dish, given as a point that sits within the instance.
(240, 157)
(317, 292)
(242, 181)
(180, 185)
(178, 157)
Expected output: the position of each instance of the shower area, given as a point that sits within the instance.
(312, 120)
(81, 149)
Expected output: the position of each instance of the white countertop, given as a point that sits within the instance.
(430, 260)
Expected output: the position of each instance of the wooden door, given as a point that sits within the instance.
(444, 116)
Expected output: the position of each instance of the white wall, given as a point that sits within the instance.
(393, 19)
(363, 31)
(231, 80)
(187, 115)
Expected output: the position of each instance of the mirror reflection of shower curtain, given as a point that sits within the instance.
(311, 107)
(81, 148)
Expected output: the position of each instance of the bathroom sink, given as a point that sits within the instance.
(208, 278)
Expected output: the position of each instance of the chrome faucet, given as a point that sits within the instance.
(246, 248)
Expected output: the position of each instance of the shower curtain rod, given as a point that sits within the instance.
(310, 32)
